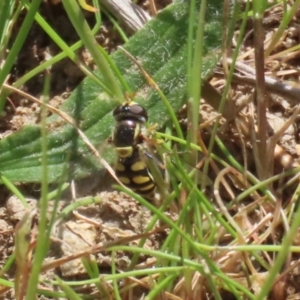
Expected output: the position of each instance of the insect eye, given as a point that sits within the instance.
(138, 111)
(133, 111)
(117, 112)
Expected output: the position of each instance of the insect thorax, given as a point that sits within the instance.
(128, 137)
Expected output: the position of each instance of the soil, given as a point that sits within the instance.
(117, 215)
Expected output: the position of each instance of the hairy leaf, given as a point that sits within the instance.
(160, 47)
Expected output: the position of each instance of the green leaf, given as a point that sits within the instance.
(160, 47)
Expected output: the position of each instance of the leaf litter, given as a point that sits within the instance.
(120, 216)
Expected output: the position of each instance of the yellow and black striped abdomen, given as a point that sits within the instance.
(134, 174)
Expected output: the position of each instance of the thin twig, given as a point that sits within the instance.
(274, 86)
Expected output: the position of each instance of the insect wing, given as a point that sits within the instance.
(155, 169)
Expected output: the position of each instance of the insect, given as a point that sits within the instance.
(128, 138)
(136, 167)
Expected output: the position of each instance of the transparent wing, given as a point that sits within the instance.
(163, 165)
(156, 169)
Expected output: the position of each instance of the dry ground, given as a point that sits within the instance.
(119, 215)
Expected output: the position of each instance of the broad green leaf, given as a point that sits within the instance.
(160, 47)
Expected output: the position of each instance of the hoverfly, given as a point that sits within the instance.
(136, 166)
(128, 138)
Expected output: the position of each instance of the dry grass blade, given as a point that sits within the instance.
(264, 162)
(99, 247)
(222, 207)
(23, 253)
(127, 12)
